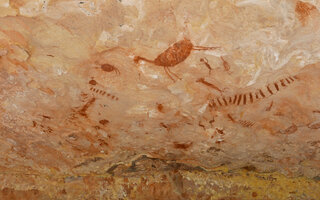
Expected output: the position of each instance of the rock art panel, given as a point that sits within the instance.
(91, 89)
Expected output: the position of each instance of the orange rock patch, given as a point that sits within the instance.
(304, 10)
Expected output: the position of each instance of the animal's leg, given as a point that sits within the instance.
(166, 70)
(225, 64)
(205, 61)
(138, 58)
(173, 73)
(201, 48)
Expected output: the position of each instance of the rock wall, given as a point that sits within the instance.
(87, 88)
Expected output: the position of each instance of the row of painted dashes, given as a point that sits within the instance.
(245, 98)
(103, 93)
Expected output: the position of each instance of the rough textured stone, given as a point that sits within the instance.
(107, 99)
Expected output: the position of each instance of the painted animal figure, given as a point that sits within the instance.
(174, 55)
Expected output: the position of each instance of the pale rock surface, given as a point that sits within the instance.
(63, 113)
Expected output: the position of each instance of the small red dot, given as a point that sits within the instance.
(254, 194)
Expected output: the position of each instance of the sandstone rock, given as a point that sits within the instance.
(96, 93)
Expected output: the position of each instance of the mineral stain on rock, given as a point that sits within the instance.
(303, 10)
(179, 145)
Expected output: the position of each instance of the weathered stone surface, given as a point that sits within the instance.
(110, 92)
(149, 178)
